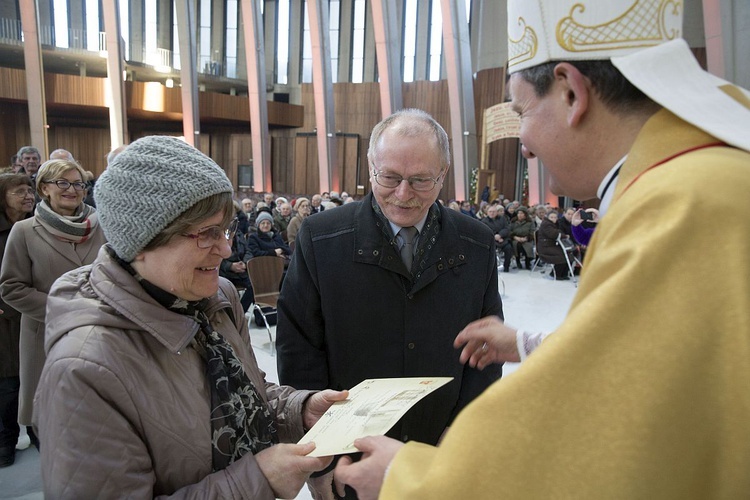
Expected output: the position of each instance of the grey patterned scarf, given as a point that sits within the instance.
(241, 421)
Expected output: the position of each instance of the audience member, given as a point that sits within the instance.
(547, 248)
(243, 225)
(581, 233)
(316, 204)
(540, 213)
(522, 234)
(63, 235)
(30, 159)
(644, 390)
(467, 209)
(266, 241)
(61, 154)
(17, 165)
(564, 222)
(90, 181)
(354, 305)
(282, 218)
(269, 200)
(500, 227)
(510, 212)
(150, 387)
(16, 204)
(303, 210)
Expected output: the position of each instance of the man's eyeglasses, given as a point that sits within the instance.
(209, 236)
(391, 181)
(23, 193)
(64, 185)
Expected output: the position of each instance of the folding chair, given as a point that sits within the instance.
(265, 275)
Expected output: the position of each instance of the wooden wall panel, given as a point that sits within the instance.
(88, 145)
(13, 84)
(14, 130)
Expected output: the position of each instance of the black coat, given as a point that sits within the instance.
(546, 243)
(501, 226)
(260, 244)
(349, 310)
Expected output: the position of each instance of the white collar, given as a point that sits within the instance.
(608, 186)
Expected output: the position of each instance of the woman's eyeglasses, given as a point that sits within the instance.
(23, 193)
(209, 236)
(64, 185)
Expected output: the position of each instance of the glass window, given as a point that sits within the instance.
(204, 37)
(436, 40)
(151, 55)
(125, 27)
(176, 63)
(306, 49)
(92, 25)
(60, 8)
(358, 41)
(410, 39)
(231, 39)
(334, 19)
(282, 42)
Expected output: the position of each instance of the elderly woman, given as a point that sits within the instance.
(16, 204)
(522, 235)
(548, 249)
(267, 241)
(63, 234)
(150, 386)
(303, 210)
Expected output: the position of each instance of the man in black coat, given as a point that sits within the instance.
(500, 227)
(350, 309)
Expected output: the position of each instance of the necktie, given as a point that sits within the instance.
(408, 234)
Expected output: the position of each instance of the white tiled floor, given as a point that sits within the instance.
(531, 301)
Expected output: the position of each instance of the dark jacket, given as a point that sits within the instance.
(240, 253)
(350, 311)
(501, 226)
(546, 243)
(260, 244)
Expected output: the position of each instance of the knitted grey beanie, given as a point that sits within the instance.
(148, 185)
(263, 216)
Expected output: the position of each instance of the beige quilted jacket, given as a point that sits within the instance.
(123, 403)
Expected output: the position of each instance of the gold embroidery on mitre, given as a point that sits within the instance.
(645, 23)
(525, 47)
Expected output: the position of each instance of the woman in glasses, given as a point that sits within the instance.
(150, 386)
(16, 204)
(63, 234)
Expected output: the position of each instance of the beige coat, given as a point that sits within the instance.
(124, 402)
(33, 260)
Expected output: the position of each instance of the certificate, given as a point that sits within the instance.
(372, 408)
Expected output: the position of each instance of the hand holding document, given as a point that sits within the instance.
(372, 408)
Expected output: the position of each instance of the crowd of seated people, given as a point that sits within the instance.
(531, 233)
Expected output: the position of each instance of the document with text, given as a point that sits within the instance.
(372, 408)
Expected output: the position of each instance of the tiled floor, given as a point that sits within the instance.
(531, 301)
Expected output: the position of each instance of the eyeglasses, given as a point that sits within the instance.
(392, 181)
(209, 236)
(23, 193)
(64, 185)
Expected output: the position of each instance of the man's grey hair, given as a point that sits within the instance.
(411, 122)
(27, 150)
